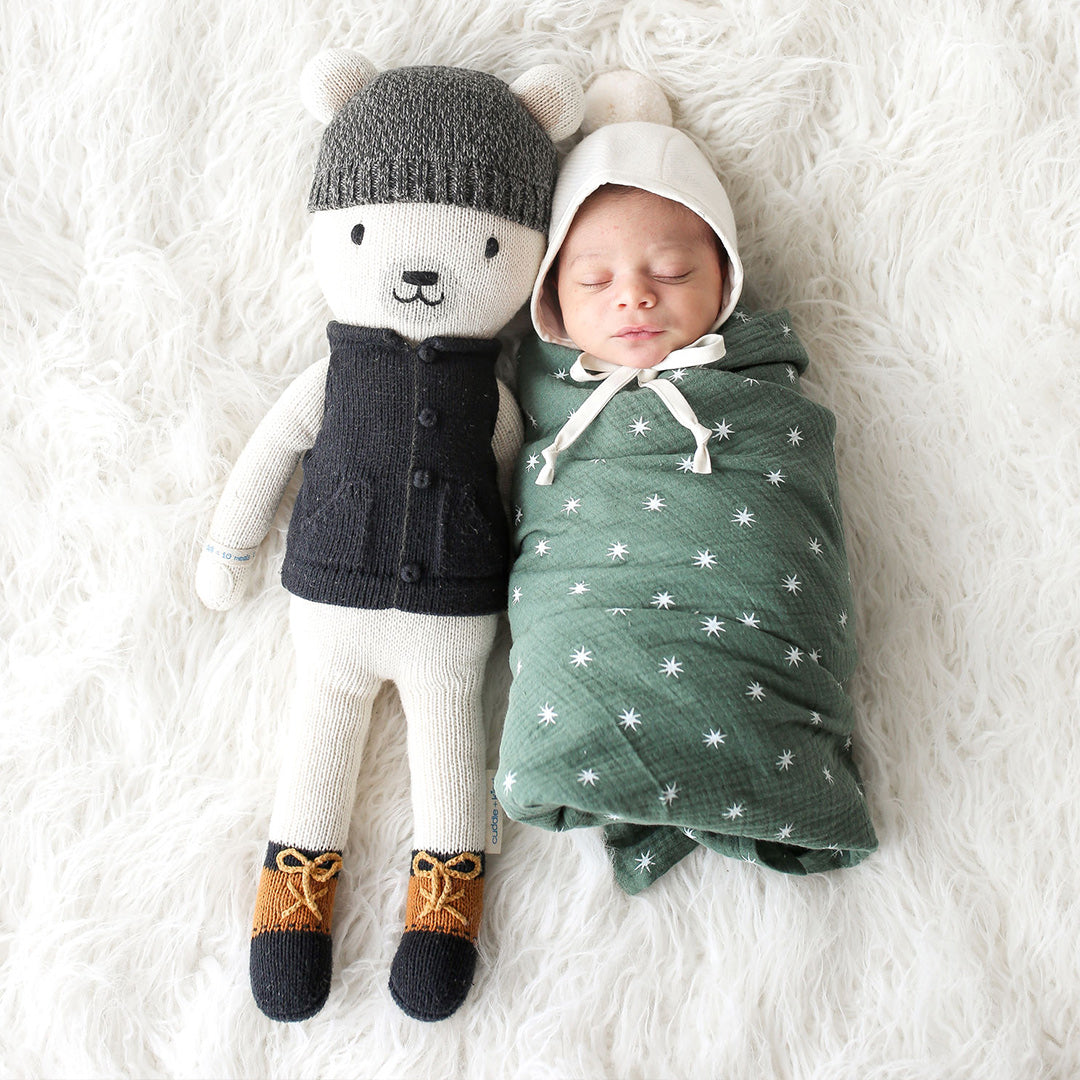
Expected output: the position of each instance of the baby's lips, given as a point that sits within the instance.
(639, 331)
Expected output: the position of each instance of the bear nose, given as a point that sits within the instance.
(420, 277)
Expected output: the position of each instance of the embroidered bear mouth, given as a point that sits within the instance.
(418, 295)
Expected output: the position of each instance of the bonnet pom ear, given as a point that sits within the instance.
(618, 97)
(330, 78)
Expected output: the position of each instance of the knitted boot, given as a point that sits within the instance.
(290, 940)
(433, 968)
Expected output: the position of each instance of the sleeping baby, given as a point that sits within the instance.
(680, 606)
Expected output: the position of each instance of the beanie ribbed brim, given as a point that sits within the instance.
(418, 180)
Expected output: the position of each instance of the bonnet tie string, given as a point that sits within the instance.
(614, 377)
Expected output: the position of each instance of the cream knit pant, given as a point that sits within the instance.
(343, 656)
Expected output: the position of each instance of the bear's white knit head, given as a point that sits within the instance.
(430, 244)
(424, 269)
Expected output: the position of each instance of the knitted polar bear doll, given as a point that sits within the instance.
(431, 198)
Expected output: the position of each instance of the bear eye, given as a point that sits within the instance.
(492, 248)
(357, 234)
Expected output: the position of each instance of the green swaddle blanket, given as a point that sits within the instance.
(681, 640)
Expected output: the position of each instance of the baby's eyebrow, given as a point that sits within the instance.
(674, 245)
(666, 248)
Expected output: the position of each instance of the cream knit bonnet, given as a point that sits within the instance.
(644, 152)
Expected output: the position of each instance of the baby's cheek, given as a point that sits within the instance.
(582, 331)
(580, 309)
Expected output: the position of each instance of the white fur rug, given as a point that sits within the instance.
(906, 180)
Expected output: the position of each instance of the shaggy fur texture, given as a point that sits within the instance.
(906, 180)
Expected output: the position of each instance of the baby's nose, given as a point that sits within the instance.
(637, 293)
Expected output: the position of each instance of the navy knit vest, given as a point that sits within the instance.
(399, 505)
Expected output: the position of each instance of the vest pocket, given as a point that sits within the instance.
(473, 539)
(335, 531)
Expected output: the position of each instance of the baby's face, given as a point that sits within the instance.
(638, 277)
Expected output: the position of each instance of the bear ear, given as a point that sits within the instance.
(621, 96)
(330, 78)
(553, 96)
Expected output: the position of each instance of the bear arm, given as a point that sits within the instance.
(507, 440)
(266, 464)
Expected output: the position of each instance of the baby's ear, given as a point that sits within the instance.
(553, 96)
(330, 78)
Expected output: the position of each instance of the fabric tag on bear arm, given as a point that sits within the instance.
(496, 819)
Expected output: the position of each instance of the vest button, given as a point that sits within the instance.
(428, 417)
(411, 573)
(427, 353)
(421, 478)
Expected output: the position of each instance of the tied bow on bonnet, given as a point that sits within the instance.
(614, 377)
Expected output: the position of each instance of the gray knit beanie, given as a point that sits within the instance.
(437, 135)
